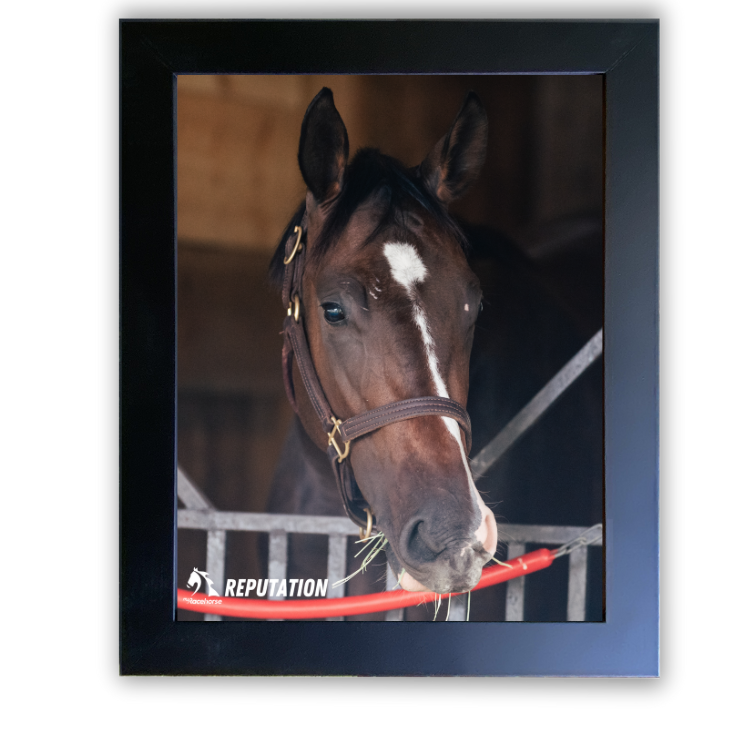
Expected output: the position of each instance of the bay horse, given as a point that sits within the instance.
(387, 303)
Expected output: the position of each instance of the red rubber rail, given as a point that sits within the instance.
(303, 609)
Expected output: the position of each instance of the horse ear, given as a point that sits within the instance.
(457, 158)
(323, 148)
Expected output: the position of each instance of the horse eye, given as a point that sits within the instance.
(333, 312)
(481, 307)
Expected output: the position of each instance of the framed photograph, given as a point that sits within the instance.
(536, 64)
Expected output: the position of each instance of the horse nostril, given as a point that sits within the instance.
(422, 542)
(417, 543)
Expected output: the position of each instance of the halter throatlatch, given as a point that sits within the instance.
(340, 433)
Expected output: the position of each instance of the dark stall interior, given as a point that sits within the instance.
(238, 185)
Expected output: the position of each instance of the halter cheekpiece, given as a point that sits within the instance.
(341, 433)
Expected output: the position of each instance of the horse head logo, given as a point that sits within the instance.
(195, 580)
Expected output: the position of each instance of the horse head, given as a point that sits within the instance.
(389, 305)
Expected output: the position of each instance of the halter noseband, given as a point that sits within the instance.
(338, 431)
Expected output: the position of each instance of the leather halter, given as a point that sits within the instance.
(341, 433)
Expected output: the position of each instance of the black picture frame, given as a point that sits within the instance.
(152, 53)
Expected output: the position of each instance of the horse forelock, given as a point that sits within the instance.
(393, 192)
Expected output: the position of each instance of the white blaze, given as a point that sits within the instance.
(408, 270)
(406, 266)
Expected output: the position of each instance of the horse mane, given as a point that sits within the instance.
(371, 173)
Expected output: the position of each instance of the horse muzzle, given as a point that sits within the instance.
(454, 570)
(433, 562)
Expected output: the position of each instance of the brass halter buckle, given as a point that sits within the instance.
(365, 533)
(332, 440)
(293, 308)
(288, 260)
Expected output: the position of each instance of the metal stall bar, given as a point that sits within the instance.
(216, 542)
(190, 495)
(267, 522)
(215, 557)
(515, 592)
(336, 567)
(577, 584)
(484, 460)
(277, 556)
(391, 582)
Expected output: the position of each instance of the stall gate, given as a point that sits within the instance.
(199, 513)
